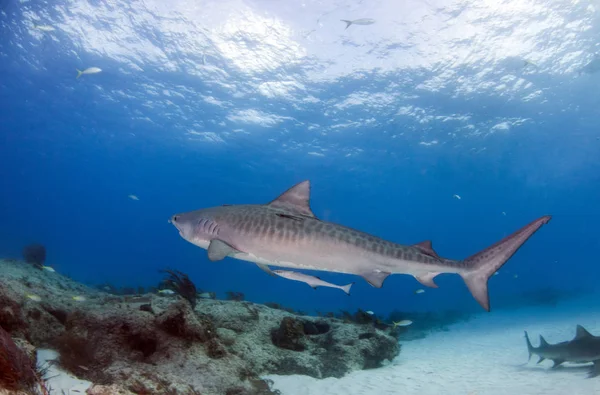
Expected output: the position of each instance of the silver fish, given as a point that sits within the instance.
(313, 281)
(286, 233)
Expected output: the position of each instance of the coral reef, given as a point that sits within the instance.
(150, 344)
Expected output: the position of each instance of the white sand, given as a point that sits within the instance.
(59, 381)
(485, 356)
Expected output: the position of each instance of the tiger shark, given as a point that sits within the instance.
(286, 233)
(584, 348)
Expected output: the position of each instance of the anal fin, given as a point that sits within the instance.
(375, 277)
(427, 279)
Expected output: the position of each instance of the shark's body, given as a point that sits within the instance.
(582, 349)
(285, 233)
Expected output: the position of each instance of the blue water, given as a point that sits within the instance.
(213, 102)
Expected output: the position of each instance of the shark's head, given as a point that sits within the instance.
(198, 227)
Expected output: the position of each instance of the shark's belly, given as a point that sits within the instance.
(312, 251)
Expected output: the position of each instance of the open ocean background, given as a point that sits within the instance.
(202, 103)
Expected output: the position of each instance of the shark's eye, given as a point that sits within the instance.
(175, 218)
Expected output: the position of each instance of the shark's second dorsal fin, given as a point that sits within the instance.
(582, 333)
(426, 248)
(295, 200)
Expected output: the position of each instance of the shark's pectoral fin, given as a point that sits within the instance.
(265, 268)
(427, 279)
(595, 371)
(541, 359)
(557, 363)
(375, 278)
(218, 250)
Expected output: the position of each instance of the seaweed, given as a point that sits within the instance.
(35, 254)
(17, 372)
(236, 296)
(181, 283)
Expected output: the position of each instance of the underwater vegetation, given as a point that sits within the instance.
(35, 254)
(181, 283)
(237, 296)
(17, 370)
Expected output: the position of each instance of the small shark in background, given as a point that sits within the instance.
(286, 233)
(313, 281)
(584, 348)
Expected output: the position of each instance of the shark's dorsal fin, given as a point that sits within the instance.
(582, 333)
(295, 200)
(426, 248)
(543, 342)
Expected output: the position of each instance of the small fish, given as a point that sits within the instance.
(369, 312)
(79, 298)
(313, 281)
(44, 28)
(166, 292)
(362, 21)
(456, 197)
(402, 323)
(207, 295)
(89, 70)
(503, 213)
(33, 297)
(133, 197)
(419, 291)
(48, 269)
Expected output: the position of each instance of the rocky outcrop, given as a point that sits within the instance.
(160, 345)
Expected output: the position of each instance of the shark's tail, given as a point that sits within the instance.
(348, 23)
(481, 266)
(79, 73)
(530, 348)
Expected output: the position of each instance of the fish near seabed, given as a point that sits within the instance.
(286, 233)
(362, 21)
(313, 281)
(584, 348)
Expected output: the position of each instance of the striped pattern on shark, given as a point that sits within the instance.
(286, 233)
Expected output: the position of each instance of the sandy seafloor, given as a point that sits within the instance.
(484, 356)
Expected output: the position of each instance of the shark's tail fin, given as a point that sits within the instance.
(346, 288)
(348, 23)
(79, 73)
(530, 348)
(481, 266)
